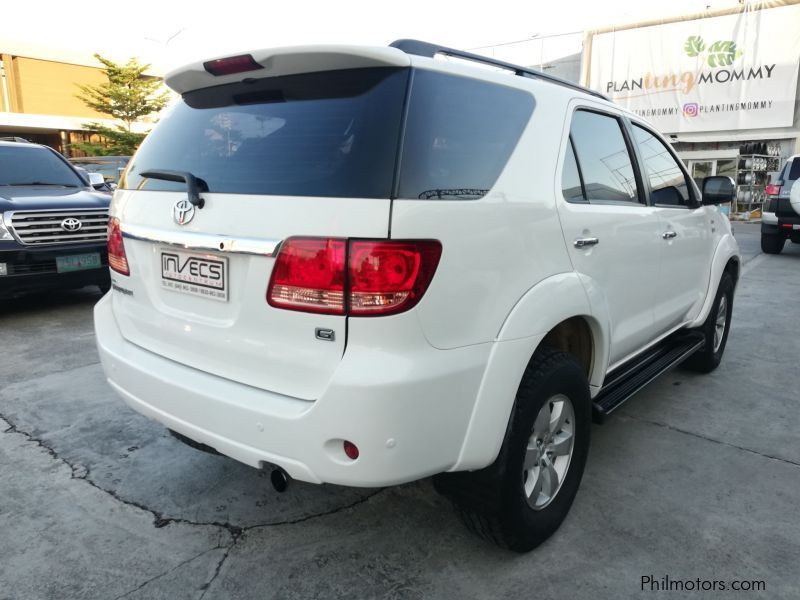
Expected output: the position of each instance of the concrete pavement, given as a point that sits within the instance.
(696, 477)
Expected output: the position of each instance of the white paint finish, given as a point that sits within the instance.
(424, 391)
(289, 61)
(685, 263)
(406, 392)
(623, 266)
(243, 339)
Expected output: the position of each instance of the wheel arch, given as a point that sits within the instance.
(536, 320)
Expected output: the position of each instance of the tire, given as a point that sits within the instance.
(499, 502)
(772, 244)
(709, 356)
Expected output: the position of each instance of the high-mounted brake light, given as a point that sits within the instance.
(772, 189)
(231, 65)
(381, 277)
(116, 249)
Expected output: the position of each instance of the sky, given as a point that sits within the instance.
(168, 33)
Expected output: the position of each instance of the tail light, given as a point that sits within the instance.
(355, 277)
(772, 189)
(309, 276)
(116, 249)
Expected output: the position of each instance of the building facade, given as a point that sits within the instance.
(38, 99)
(723, 86)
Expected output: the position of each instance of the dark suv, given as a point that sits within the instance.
(53, 226)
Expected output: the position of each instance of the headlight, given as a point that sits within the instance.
(5, 234)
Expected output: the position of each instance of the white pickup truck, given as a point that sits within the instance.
(366, 266)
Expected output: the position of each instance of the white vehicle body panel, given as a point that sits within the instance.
(424, 391)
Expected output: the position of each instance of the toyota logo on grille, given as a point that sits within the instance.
(71, 224)
(183, 212)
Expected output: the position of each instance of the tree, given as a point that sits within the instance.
(128, 96)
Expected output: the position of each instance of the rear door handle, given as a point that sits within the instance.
(583, 242)
(668, 235)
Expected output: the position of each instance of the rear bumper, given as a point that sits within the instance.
(32, 269)
(408, 413)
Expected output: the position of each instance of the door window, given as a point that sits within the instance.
(668, 183)
(603, 158)
(571, 184)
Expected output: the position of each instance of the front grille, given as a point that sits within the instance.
(42, 227)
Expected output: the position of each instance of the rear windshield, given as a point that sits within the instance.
(33, 165)
(338, 133)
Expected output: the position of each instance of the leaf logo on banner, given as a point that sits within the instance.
(694, 45)
(720, 54)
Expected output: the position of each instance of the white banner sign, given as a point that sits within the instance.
(721, 73)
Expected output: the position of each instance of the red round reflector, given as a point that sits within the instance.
(350, 449)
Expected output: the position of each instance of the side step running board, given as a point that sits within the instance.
(624, 381)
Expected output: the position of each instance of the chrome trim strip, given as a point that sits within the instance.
(201, 241)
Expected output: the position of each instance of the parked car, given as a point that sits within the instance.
(364, 266)
(780, 219)
(53, 225)
(110, 167)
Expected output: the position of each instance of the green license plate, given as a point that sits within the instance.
(78, 262)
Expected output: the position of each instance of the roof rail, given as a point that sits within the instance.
(13, 138)
(419, 48)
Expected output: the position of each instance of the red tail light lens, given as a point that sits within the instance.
(232, 64)
(116, 249)
(309, 276)
(390, 276)
(382, 276)
(772, 189)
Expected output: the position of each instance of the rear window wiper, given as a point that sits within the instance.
(193, 184)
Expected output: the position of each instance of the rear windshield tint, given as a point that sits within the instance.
(337, 133)
(322, 134)
(459, 135)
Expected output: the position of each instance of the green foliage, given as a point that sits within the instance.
(128, 96)
(694, 45)
(117, 141)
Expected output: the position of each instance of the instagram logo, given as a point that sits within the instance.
(691, 109)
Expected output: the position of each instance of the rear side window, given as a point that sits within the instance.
(571, 184)
(333, 133)
(603, 158)
(459, 134)
(668, 184)
(338, 133)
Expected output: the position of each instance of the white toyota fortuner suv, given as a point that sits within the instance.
(363, 266)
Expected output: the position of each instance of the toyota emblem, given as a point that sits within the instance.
(183, 212)
(71, 224)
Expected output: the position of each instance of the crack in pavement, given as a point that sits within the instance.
(159, 520)
(167, 572)
(709, 439)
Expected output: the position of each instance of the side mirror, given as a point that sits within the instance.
(96, 179)
(718, 189)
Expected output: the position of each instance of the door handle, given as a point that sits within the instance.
(583, 242)
(668, 235)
